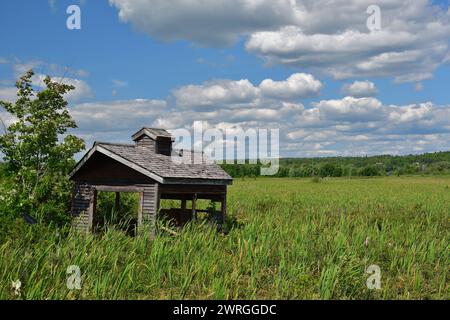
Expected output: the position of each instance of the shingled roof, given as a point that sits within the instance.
(163, 168)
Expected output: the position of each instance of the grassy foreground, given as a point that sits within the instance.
(291, 239)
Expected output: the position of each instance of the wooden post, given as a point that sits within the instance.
(183, 205)
(194, 213)
(141, 205)
(157, 199)
(223, 209)
(91, 210)
(117, 203)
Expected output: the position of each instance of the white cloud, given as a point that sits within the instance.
(116, 115)
(5, 120)
(297, 134)
(8, 94)
(82, 89)
(119, 83)
(360, 89)
(298, 85)
(408, 55)
(351, 109)
(82, 73)
(216, 93)
(211, 23)
(41, 69)
(20, 68)
(230, 93)
(329, 36)
(411, 112)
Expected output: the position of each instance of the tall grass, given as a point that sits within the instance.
(287, 239)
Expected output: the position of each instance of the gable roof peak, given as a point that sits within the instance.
(152, 133)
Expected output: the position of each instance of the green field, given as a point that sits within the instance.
(288, 239)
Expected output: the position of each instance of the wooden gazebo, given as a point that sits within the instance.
(151, 168)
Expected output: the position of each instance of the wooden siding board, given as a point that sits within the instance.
(81, 201)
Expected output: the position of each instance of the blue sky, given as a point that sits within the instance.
(163, 54)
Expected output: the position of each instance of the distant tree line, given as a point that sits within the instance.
(384, 165)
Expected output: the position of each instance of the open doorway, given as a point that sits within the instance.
(186, 208)
(119, 209)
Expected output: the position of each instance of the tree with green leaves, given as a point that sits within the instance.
(37, 150)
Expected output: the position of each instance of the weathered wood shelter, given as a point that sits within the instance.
(151, 168)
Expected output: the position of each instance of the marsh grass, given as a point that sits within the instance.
(285, 239)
